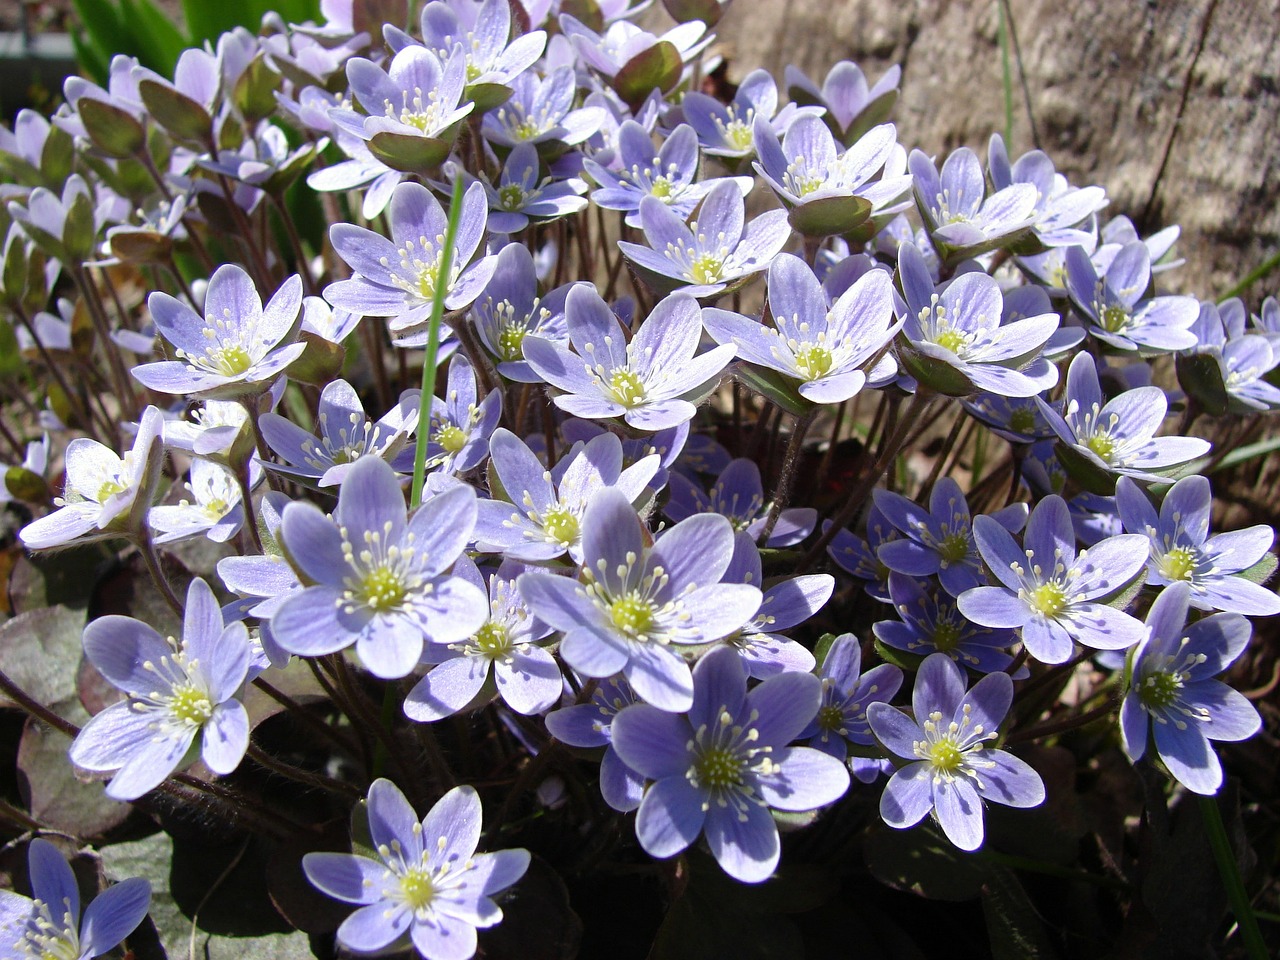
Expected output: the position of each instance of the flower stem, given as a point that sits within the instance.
(1254, 945)
(786, 477)
(147, 547)
(316, 781)
(433, 348)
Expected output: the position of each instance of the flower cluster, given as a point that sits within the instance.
(609, 558)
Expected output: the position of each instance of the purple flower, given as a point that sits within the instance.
(1050, 593)
(719, 769)
(105, 495)
(939, 541)
(932, 623)
(644, 381)
(361, 167)
(542, 517)
(787, 602)
(1173, 694)
(708, 256)
(381, 579)
(417, 96)
(861, 558)
(669, 176)
(1242, 360)
(846, 693)
(1118, 437)
(49, 925)
(215, 509)
(832, 191)
(345, 435)
(460, 427)
(636, 606)
(541, 112)
(1117, 310)
(590, 725)
(726, 129)
(951, 770)
(961, 219)
(955, 341)
(174, 692)
(828, 347)
(851, 104)
(1182, 550)
(398, 277)
(428, 881)
(482, 30)
(739, 495)
(239, 347)
(522, 195)
(526, 676)
(1060, 208)
(509, 309)
(1016, 419)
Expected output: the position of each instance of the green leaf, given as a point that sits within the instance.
(408, 154)
(829, 216)
(659, 67)
(254, 93)
(161, 41)
(1201, 375)
(1013, 923)
(921, 862)
(1262, 571)
(40, 651)
(183, 117)
(112, 130)
(11, 362)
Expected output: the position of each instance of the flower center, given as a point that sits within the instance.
(830, 717)
(382, 588)
(627, 388)
(945, 756)
(43, 939)
(1022, 420)
(230, 360)
(452, 438)
(737, 134)
(423, 115)
(954, 547)
(706, 268)
(561, 525)
(511, 342)
(719, 767)
(1114, 319)
(511, 196)
(493, 639)
(417, 889)
(631, 614)
(951, 340)
(1160, 689)
(110, 489)
(946, 636)
(1178, 564)
(1101, 444)
(814, 361)
(1048, 599)
(661, 188)
(190, 705)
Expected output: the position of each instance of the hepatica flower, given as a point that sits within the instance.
(416, 96)
(956, 210)
(827, 347)
(176, 691)
(1173, 694)
(1117, 310)
(719, 769)
(105, 495)
(505, 647)
(239, 347)
(932, 623)
(50, 926)
(1182, 550)
(428, 884)
(635, 606)
(712, 253)
(738, 494)
(589, 725)
(846, 693)
(1051, 593)
(644, 381)
(397, 278)
(522, 194)
(510, 309)
(461, 423)
(1117, 436)
(950, 769)
(542, 519)
(955, 342)
(939, 541)
(344, 435)
(380, 578)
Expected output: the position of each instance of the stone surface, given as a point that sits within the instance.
(1173, 107)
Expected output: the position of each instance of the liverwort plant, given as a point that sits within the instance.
(950, 768)
(175, 691)
(49, 925)
(428, 887)
(1173, 698)
(721, 767)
